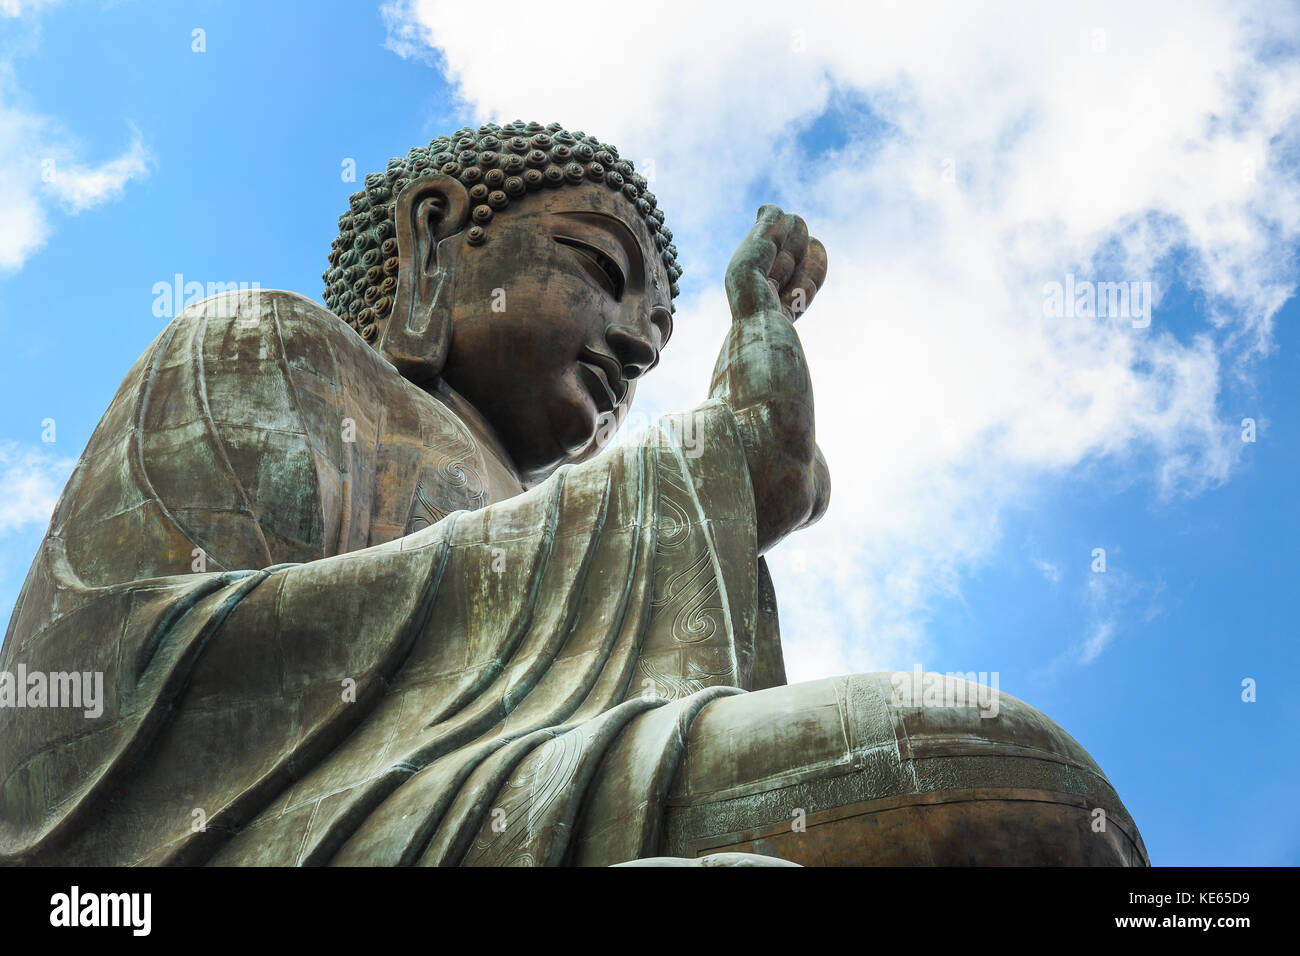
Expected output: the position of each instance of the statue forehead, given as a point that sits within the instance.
(596, 199)
(588, 198)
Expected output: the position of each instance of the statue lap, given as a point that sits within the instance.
(833, 772)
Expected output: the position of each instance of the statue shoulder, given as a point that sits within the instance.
(229, 423)
(268, 339)
(263, 312)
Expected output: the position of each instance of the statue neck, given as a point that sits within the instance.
(479, 426)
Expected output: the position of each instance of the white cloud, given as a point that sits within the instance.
(990, 149)
(79, 187)
(32, 479)
(41, 167)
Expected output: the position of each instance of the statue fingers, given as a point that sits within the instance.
(791, 252)
(815, 262)
(797, 297)
(749, 289)
(807, 279)
(782, 269)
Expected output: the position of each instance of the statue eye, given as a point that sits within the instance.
(604, 269)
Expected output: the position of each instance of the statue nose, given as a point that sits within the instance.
(633, 349)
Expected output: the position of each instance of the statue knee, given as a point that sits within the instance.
(878, 769)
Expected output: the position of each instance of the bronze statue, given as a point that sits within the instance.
(361, 592)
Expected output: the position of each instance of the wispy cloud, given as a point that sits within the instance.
(79, 187)
(1114, 602)
(32, 478)
(981, 152)
(42, 165)
(1047, 569)
(1102, 634)
(17, 8)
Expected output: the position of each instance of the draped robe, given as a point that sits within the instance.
(325, 637)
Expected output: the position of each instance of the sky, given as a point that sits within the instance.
(1098, 505)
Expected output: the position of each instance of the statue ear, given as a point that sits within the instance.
(417, 335)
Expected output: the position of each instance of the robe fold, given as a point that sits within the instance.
(326, 636)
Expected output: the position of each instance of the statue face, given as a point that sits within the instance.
(555, 316)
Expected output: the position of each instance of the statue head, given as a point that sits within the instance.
(526, 267)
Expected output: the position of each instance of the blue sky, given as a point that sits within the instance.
(979, 451)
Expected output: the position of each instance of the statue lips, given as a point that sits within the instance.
(604, 379)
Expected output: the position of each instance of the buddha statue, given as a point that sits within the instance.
(361, 591)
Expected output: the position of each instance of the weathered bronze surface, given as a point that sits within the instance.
(382, 603)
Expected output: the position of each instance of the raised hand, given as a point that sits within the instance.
(777, 267)
(762, 373)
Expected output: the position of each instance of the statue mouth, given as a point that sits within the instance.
(604, 379)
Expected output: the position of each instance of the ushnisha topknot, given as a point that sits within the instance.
(496, 163)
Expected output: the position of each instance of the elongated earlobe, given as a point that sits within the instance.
(429, 213)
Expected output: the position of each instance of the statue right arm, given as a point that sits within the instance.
(762, 374)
